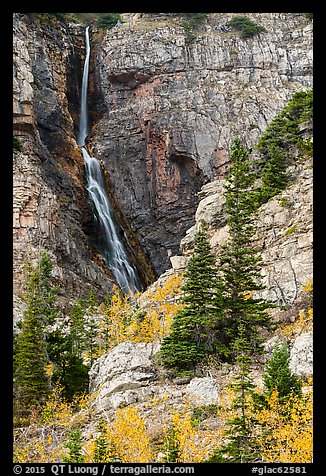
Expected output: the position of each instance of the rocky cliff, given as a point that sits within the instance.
(51, 210)
(164, 109)
(174, 104)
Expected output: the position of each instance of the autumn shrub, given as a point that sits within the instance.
(122, 319)
(285, 429)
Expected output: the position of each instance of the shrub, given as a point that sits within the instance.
(107, 20)
(247, 27)
(192, 22)
(17, 144)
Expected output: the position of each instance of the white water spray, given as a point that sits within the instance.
(113, 248)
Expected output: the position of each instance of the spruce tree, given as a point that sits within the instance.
(240, 258)
(101, 445)
(74, 444)
(241, 446)
(31, 382)
(193, 328)
(278, 375)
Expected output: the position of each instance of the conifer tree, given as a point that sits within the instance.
(74, 444)
(278, 375)
(31, 382)
(193, 328)
(240, 258)
(101, 445)
(241, 446)
(172, 449)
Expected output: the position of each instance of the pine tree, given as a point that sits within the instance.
(241, 446)
(101, 445)
(193, 328)
(240, 259)
(172, 449)
(278, 375)
(74, 444)
(31, 382)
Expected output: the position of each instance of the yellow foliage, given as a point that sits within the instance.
(194, 444)
(128, 433)
(122, 321)
(308, 286)
(303, 323)
(42, 441)
(286, 435)
(247, 295)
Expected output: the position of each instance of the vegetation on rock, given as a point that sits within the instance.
(275, 145)
(17, 146)
(106, 21)
(246, 26)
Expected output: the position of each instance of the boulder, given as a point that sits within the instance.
(117, 373)
(301, 355)
(203, 390)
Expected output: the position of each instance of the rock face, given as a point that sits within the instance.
(173, 107)
(127, 375)
(301, 355)
(116, 374)
(284, 234)
(51, 210)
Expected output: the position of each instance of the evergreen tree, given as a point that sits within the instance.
(77, 323)
(172, 446)
(74, 444)
(91, 326)
(193, 328)
(276, 142)
(105, 449)
(69, 369)
(101, 445)
(240, 259)
(31, 382)
(241, 446)
(274, 174)
(278, 375)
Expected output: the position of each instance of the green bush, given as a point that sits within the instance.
(192, 22)
(17, 144)
(107, 20)
(247, 27)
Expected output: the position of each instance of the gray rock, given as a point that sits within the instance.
(116, 374)
(174, 107)
(204, 390)
(301, 355)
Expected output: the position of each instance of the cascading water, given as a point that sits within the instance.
(113, 248)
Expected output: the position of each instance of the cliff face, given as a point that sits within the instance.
(173, 107)
(50, 205)
(164, 110)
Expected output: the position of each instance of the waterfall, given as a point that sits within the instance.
(113, 248)
(83, 122)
